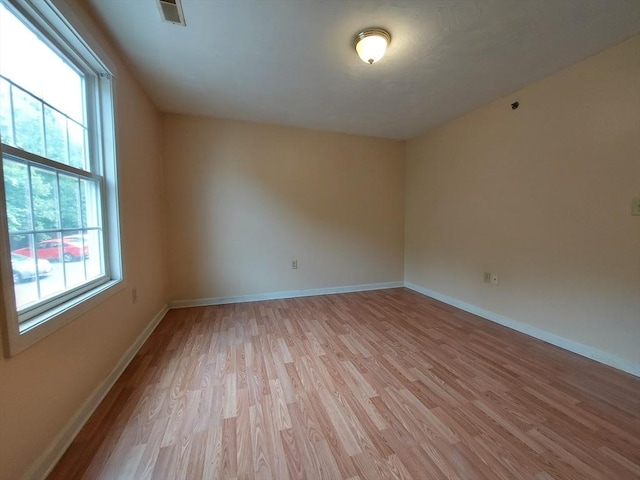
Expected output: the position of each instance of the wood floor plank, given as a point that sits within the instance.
(244, 437)
(373, 385)
(260, 444)
(292, 454)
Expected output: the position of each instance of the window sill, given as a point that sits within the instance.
(22, 336)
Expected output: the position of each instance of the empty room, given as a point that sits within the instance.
(320, 239)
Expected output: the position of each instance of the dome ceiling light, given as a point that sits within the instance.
(371, 44)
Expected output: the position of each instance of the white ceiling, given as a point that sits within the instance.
(292, 62)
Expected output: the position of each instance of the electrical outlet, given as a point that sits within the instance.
(495, 280)
(635, 206)
(134, 295)
(486, 277)
(294, 264)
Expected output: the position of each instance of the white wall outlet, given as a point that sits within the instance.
(635, 206)
(486, 277)
(134, 295)
(495, 280)
(294, 264)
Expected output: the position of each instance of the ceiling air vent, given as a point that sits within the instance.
(171, 11)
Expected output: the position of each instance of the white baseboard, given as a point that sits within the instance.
(50, 457)
(200, 302)
(575, 347)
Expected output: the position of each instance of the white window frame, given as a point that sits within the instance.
(58, 23)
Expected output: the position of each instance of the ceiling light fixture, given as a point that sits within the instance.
(371, 44)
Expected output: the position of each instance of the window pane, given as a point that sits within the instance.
(16, 190)
(44, 195)
(70, 201)
(95, 263)
(90, 204)
(74, 259)
(55, 127)
(12, 33)
(6, 127)
(77, 138)
(27, 117)
(63, 88)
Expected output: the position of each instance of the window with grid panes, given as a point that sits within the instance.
(55, 108)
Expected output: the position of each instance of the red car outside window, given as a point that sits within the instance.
(52, 250)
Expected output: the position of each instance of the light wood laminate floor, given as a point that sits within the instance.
(374, 385)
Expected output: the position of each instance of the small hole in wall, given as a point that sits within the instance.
(515, 105)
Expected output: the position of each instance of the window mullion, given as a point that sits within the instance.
(79, 203)
(13, 117)
(33, 226)
(66, 126)
(44, 130)
(82, 231)
(90, 138)
(64, 262)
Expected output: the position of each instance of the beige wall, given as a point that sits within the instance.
(246, 199)
(542, 196)
(44, 386)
